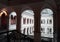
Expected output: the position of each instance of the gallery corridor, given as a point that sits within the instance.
(29, 21)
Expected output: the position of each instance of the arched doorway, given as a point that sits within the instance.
(27, 22)
(12, 21)
(47, 25)
(3, 16)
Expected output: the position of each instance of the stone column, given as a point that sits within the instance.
(58, 24)
(37, 36)
(18, 26)
(55, 27)
(8, 21)
(18, 20)
(0, 22)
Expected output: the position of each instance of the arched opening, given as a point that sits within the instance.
(12, 21)
(47, 25)
(3, 20)
(27, 22)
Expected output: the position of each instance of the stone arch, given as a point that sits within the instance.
(3, 11)
(46, 5)
(9, 11)
(3, 19)
(53, 8)
(26, 7)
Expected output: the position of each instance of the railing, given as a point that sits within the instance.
(14, 36)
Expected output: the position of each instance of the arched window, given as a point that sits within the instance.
(12, 21)
(26, 20)
(47, 22)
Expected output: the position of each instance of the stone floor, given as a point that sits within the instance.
(3, 38)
